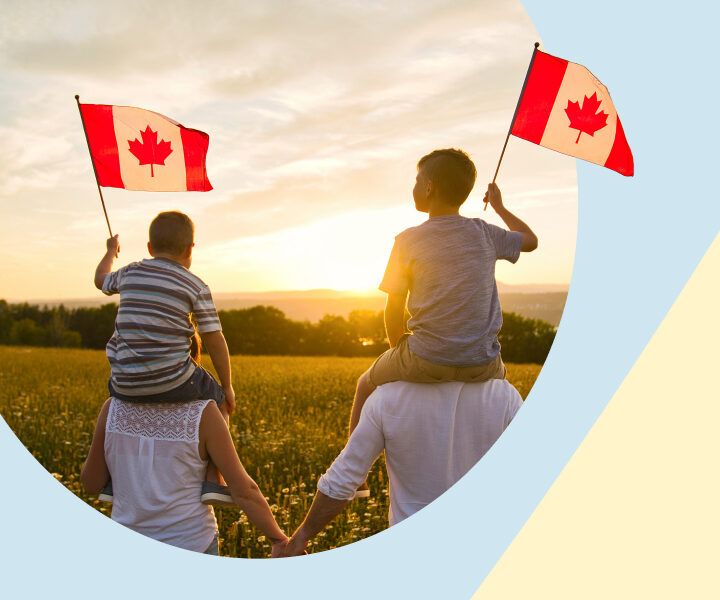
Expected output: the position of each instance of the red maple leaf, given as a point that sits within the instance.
(585, 119)
(149, 152)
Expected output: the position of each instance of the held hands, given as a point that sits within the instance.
(295, 546)
(113, 246)
(278, 548)
(494, 197)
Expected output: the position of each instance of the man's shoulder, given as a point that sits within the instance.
(408, 390)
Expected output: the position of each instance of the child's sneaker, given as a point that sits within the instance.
(107, 494)
(363, 491)
(214, 494)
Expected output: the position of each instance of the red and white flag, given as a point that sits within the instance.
(139, 149)
(565, 108)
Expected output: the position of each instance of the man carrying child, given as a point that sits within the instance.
(444, 270)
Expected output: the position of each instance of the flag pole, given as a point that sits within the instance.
(102, 201)
(517, 108)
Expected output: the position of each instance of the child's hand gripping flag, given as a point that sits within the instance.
(137, 149)
(565, 108)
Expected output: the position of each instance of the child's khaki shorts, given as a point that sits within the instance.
(401, 364)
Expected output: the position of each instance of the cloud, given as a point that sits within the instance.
(314, 109)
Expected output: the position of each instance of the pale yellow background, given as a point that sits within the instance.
(635, 512)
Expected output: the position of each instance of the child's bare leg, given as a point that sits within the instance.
(213, 475)
(362, 392)
(214, 490)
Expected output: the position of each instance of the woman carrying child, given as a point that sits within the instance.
(157, 455)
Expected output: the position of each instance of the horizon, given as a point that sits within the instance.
(503, 288)
(312, 153)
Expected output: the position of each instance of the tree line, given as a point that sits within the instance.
(257, 330)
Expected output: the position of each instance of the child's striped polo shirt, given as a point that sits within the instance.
(149, 351)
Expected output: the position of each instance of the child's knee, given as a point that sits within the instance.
(365, 384)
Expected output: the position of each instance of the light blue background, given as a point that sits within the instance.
(639, 240)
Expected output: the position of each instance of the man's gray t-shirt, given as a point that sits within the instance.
(447, 264)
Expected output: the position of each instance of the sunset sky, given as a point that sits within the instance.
(317, 114)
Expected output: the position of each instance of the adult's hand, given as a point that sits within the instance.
(278, 548)
(295, 546)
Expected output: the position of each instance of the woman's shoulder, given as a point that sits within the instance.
(211, 416)
(178, 421)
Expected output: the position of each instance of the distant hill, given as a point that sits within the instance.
(546, 306)
(536, 301)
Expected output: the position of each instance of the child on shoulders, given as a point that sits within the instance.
(444, 270)
(149, 351)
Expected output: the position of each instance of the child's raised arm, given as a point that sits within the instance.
(106, 263)
(494, 197)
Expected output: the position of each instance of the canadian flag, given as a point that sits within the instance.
(565, 108)
(139, 149)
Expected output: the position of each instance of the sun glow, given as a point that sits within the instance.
(348, 252)
(312, 162)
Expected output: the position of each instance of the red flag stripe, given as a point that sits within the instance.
(195, 145)
(539, 96)
(98, 119)
(185, 170)
(620, 158)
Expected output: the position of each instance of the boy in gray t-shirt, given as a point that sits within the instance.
(445, 270)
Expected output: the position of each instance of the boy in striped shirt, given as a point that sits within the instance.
(149, 352)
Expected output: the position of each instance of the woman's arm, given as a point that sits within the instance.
(94, 473)
(215, 442)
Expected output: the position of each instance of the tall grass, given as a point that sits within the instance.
(289, 425)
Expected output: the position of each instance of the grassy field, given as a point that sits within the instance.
(290, 423)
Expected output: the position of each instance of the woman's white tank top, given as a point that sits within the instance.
(152, 453)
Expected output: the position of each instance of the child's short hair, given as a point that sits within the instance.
(452, 172)
(172, 232)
